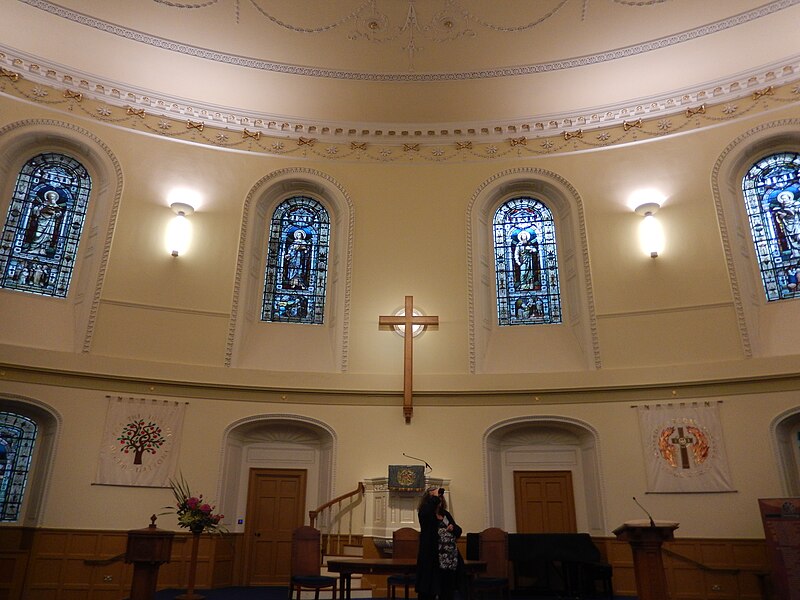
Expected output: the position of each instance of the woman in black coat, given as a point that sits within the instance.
(439, 564)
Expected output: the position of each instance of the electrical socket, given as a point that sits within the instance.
(108, 578)
(716, 588)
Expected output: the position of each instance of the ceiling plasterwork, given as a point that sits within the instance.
(400, 31)
(767, 92)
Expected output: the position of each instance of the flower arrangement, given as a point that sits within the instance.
(193, 512)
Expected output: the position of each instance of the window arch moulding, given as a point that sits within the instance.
(766, 328)
(48, 427)
(259, 344)
(53, 323)
(573, 343)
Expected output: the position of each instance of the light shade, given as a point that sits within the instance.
(651, 234)
(179, 230)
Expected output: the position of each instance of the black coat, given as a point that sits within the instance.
(428, 576)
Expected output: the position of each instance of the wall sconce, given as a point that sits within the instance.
(179, 231)
(651, 235)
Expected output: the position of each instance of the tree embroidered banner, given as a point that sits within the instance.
(684, 449)
(140, 443)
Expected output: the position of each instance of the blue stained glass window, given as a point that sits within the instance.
(17, 434)
(44, 225)
(526, 263)
(297, 262)
(772, 197)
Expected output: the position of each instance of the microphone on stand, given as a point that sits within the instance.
(649, 516)
(427, 466)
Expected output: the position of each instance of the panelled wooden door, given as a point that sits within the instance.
(544, 502)
(276, 501)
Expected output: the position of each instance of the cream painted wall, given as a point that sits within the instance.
(369, 438)
(668, 322)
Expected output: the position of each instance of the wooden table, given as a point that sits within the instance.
(346, 567)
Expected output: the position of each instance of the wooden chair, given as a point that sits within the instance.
(493, 550)
(306, 560)
(405, 544)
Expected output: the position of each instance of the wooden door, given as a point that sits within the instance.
(544, 502)
(276, 501)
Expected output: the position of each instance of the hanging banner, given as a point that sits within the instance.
(683, 449)
(140, 442)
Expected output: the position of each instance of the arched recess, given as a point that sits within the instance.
(765, 328)
(275, 441)
(64, 324)
(571, 345)
(785, 436)
(48, 423)
(256, 344)
(543, 443)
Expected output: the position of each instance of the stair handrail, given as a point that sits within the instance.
(312, 514)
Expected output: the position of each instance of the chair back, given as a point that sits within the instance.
(405, 543)
(493, 550)
(306, 552)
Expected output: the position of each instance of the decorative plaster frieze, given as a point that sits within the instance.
(751, 93)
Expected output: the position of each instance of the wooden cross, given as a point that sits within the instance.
(407, 320)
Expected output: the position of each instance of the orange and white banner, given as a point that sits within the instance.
(140, 443)
(684, 449)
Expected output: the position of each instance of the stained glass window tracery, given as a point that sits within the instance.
(17, 436)
(526, 263)
(772, 198)
(44, 225)
(297, 262)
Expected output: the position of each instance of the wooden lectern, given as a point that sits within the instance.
(645, 538)
(147, 549)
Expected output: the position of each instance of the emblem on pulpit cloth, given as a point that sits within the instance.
(403, 478)
(684, 450)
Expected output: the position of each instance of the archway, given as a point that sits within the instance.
(785, 431)
(544, 443)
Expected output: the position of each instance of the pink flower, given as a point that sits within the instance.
(192, 502)
(206, 508)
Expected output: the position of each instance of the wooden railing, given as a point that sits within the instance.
(331, 516)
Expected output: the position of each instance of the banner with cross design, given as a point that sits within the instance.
(683, 448)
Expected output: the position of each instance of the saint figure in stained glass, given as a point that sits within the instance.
(526, 263)
(772, 198)
(44, 225)
(297, 262)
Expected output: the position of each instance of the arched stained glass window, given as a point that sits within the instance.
(44, 225)
(297, 262)
(772, 197)
(526, 263)
(17, 435)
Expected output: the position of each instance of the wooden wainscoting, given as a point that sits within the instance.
(699, 569)
(61, 564)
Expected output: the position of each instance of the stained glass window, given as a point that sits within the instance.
(44, 225)
(772, 198)
(526, 263)
(297, 262)
(17, 434)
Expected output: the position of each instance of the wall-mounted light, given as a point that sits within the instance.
(179, 232)
(651, 235)
(416, 329)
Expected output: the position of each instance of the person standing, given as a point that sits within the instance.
(439, 563)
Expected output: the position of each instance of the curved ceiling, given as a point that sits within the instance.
(406, 61)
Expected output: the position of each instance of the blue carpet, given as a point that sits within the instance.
(280, 593)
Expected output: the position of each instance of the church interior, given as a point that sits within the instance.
(494, 241)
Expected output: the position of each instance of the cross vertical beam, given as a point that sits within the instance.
(407, 321)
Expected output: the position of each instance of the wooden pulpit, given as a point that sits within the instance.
(645, 538)
(147, 549)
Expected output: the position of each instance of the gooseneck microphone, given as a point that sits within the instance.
(649, 516)
(427, 466)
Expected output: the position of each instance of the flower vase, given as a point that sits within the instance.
(190, 595)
